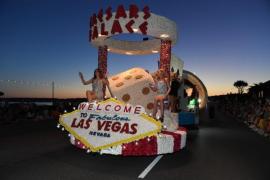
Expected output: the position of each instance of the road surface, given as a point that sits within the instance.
(221, 149)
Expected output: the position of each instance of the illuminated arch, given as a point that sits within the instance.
(198, 85)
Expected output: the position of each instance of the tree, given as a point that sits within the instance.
(255, 89)
(240, 85)
(1, 93)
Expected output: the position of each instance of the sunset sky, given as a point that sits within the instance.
(221, 41)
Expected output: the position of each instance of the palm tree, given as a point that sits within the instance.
(240, 85)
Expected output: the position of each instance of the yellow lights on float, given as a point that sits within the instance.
(135, 29)
(128, 53)
(164, 36)
(164, 127)
(100, 35)
(73, 138)
(154, 51)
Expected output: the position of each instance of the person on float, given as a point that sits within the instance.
(173, 94)
(194, 100)
(161, 86)
(99, 84)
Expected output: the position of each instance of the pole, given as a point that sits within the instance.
(52, 92)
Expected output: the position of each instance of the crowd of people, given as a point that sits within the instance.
(11, 113)
(254, 112)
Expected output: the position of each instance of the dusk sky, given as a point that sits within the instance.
(43, 41)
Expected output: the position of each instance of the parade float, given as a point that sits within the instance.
(123, 125)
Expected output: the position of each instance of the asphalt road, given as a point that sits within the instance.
(221, 149)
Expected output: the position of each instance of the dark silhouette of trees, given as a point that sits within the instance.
(260, 90)
(256, 89)
(240, 85)
(1, 93)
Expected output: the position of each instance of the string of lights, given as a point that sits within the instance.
(9, 82)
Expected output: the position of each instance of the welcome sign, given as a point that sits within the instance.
(109, 123)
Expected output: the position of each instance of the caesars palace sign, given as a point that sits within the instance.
(104, 24)
(109, 123)
(114, 26)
